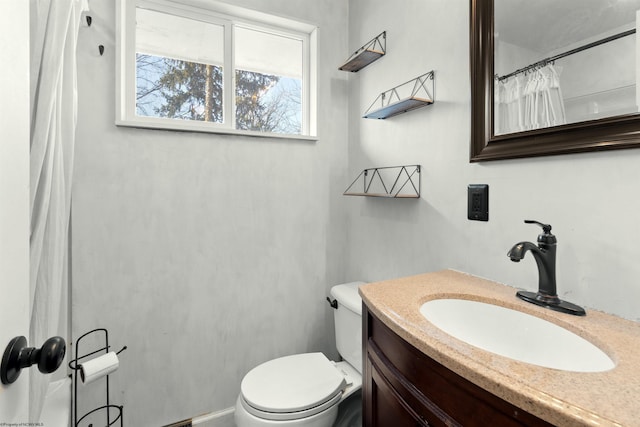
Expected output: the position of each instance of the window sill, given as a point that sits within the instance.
(188, 126)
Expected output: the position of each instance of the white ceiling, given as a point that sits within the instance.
(546, 25)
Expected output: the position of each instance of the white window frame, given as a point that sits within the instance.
(222, 14)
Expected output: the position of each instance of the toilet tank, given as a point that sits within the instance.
(348, 322)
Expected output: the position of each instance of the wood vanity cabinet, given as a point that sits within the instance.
(404, 387)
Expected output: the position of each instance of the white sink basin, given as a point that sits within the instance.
(515, 335)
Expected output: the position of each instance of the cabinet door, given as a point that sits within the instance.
(388, 408)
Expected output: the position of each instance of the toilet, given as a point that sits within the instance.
(306, 389)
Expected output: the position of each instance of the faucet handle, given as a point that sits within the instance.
(546, 228)
(546, 238)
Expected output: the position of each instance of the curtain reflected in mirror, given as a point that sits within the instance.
(559, 62)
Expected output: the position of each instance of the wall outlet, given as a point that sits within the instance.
(478, 202)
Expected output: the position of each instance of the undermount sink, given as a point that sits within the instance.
(516, 335)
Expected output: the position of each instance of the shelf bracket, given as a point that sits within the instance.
(375, 182)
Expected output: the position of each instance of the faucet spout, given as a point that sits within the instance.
(545, 256)
(516, 253)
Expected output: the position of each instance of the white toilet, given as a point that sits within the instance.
(306, 389)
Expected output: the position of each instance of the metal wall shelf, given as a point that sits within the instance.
(415, 93)
(373, 50)
(406, 182)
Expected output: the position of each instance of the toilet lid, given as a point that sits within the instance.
(292, 383)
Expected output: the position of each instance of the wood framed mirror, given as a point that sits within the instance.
(617, 131)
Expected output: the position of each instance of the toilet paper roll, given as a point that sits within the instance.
(98, 367)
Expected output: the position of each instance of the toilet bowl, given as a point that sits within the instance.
(306, 389)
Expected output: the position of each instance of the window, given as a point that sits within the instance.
(215, 69)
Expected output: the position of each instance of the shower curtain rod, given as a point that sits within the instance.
(570, 52)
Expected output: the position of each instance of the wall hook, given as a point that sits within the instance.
(17, 356)
(101, 49)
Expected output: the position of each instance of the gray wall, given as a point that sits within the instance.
(590, 199)
(205, 254)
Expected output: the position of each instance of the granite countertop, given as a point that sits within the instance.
(610, 398)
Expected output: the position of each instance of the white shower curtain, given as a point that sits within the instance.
(54, 34)
(529, 101)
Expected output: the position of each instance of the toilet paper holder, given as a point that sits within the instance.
(76, 366)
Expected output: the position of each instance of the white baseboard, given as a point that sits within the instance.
(223, 418)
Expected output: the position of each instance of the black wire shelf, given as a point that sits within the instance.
(398, 182)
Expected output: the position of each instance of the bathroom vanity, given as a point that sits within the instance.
(407, 387)
(416, 374)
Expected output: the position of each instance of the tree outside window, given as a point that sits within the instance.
(177, 89)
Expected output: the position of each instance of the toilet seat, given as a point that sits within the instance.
(291, 416)
(292, 387)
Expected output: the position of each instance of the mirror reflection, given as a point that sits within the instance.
(559, 62)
